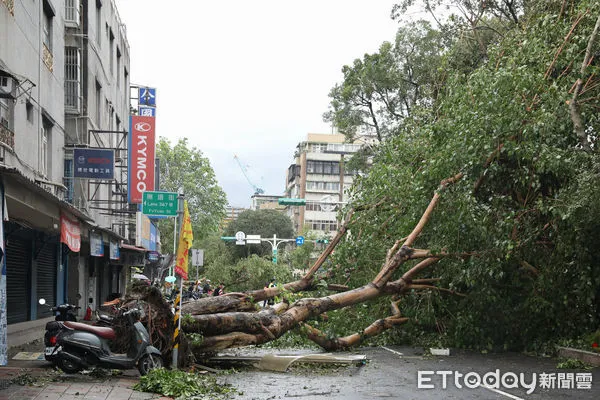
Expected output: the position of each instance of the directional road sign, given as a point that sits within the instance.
(159, 203)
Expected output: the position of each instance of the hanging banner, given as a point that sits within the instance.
(70, 232)
(96, 245)
(115, 252)
(141, 149)
(186, 237)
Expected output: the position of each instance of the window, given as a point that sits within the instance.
(323, 186)
(4, 117)
(72, 11)
(47, 25)
(98, 103)
(323, 167)
(99, 22)
(126, 83)
(72, 78)
(111, 51)
(321, 225)
(45, 146)
(29, 111)
(118, 67)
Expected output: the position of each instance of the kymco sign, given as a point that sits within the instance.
(140, 172)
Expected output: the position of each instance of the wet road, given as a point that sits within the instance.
(392, 373)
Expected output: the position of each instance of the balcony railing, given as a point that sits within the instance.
(7, 137)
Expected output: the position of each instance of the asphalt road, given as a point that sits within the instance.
(393, 372)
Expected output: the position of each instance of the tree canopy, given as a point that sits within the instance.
(518, 120)
(184, 167)
(265, 223)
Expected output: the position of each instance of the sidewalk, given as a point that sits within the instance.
(51, 385)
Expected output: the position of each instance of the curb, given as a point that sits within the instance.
(586, 356)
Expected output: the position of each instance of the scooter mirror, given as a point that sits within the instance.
(42, 301)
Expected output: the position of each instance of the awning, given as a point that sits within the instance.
(134, 248)
(30, 184)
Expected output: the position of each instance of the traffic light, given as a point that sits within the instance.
(286, 201)
(325, 241)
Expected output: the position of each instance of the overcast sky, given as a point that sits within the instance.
(248, 77)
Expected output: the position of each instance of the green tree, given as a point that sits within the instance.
(265, 223)
(380, 91)
(522, 221)
(183, 167)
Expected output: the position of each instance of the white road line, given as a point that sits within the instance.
(502, 393)
(393, 351)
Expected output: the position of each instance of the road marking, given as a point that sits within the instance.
(502, 393)
(393, 351)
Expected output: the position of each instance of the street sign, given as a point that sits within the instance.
(286, 201)
(147, 96)
(159, 203)
(94, 163)
(253, 239)
(240, 238)
(197, 257)
(300, 240)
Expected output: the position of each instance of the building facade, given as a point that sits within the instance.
(266, 202)
(319, 176)
(64, 86)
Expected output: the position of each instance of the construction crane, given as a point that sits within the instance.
(257, 190)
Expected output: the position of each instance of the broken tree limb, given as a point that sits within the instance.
(335, 344)
(431, 287)
(574, 109)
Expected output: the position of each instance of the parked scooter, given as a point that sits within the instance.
(74, 346)
(66, 312)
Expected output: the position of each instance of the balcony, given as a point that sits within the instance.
(7, 137)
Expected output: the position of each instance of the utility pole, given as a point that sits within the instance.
(274, 243)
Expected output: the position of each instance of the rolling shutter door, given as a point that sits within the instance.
(46, 278)
(18, 264)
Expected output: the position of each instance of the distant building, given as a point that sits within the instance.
(231, 214)
(320, 176)
(266, 202)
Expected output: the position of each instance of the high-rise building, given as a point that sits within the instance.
(320, 176)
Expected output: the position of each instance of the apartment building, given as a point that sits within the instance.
(320, 176)
(64, 85)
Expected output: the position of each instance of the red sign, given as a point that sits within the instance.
(141, 157)
(70, 232)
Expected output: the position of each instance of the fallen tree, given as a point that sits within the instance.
(235, 319)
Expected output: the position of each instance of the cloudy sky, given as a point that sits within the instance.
(248, 77)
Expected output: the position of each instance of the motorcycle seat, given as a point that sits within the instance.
(106, 333)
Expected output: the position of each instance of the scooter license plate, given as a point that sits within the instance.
(50, 350)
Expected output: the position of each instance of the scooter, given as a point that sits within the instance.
(74, 346)
(66, 312)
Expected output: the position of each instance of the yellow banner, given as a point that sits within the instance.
(186, 237)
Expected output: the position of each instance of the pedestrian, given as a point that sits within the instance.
(206, 288)
(218, 290)
(272, 284)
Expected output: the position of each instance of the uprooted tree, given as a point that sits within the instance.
(505, 253)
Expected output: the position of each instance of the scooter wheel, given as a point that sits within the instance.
(69, 366)
(149, 362)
